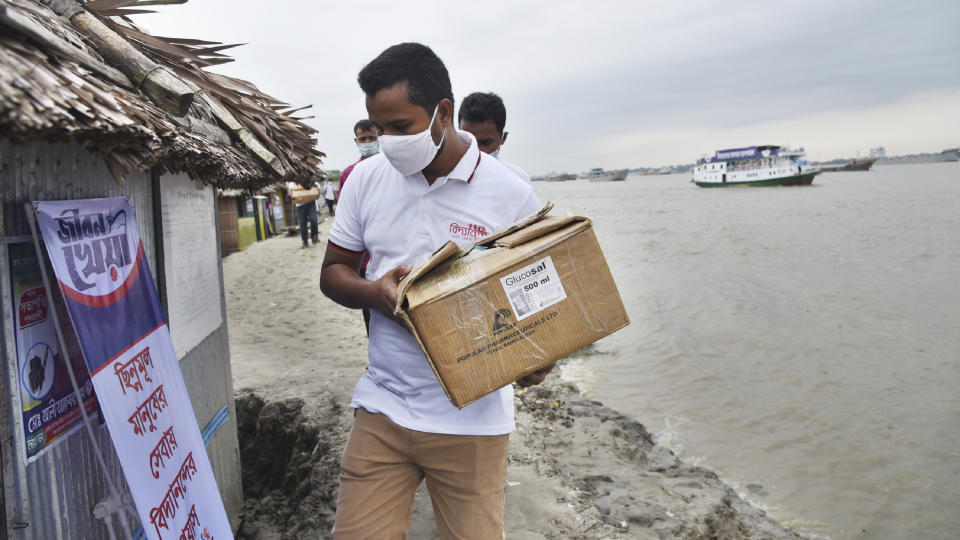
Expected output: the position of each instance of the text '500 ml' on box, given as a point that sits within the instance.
(514, 303)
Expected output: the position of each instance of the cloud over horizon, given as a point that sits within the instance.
(621, 84)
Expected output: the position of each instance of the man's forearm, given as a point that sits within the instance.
(344, 286)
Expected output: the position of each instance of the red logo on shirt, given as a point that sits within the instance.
(467, 232)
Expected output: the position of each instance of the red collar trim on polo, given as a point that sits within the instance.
(475, 167)
(343, 249)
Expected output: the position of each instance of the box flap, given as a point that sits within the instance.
(535, 230)
(519, 233)
(451, 250)
(489, 240)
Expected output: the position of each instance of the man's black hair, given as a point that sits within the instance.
(479, 107)
(364, 125)
(427, 79)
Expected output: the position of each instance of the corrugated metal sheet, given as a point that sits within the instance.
(48, 171)
(55, 495)
(206, 370)
(62, 487)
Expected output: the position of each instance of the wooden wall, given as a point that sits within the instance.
(229, 230)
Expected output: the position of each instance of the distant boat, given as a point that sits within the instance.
(861, 164)
(554, 177)
(754, 166)
(600, 175)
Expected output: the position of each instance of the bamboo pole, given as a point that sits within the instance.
(163, 87)
(27, 27)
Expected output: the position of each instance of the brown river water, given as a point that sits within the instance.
(803, 342)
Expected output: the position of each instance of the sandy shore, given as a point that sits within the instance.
(576, 468)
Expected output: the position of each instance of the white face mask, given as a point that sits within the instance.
(409, 154)
(368, 149)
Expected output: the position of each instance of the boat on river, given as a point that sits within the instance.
(861, 164)
(600, 175)
(559, 177)
(767, 165)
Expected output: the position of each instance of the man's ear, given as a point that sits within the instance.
(503, 139)
(445, 112)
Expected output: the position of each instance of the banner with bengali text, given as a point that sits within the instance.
(98, 258)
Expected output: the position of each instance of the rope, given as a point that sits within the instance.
(144, 78)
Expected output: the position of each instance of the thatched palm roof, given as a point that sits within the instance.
(88, 74)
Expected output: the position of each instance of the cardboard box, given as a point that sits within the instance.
(518, 301)
(300, 196)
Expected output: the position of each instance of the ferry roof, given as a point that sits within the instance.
(749, 152)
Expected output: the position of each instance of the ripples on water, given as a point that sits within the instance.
(804, 341)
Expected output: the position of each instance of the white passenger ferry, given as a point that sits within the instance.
(754, 166)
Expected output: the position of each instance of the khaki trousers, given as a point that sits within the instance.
(384, 463)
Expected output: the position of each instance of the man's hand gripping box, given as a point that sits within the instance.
(511, 304)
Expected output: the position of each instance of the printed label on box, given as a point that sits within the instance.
(533, 288)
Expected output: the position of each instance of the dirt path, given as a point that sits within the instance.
(576, 469)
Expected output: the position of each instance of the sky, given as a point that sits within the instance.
(619, 84)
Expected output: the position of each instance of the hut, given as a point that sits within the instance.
(248, 216)
(93, 106)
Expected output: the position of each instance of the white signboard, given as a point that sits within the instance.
(190, 261)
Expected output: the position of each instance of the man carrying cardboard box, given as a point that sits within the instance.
(305, 200)
(429, 184)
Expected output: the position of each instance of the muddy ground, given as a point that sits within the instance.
(576, 468)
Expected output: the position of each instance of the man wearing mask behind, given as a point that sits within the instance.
(399, 205)
(485, 116)
(365, 134)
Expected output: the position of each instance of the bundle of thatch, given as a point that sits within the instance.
(85, 72)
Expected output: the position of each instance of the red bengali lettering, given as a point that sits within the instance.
(33, 307)
(147, 412)
(176, 492)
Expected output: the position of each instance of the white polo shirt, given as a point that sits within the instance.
(399, 219)
(516, 170)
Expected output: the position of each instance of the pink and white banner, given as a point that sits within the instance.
(97, 255)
